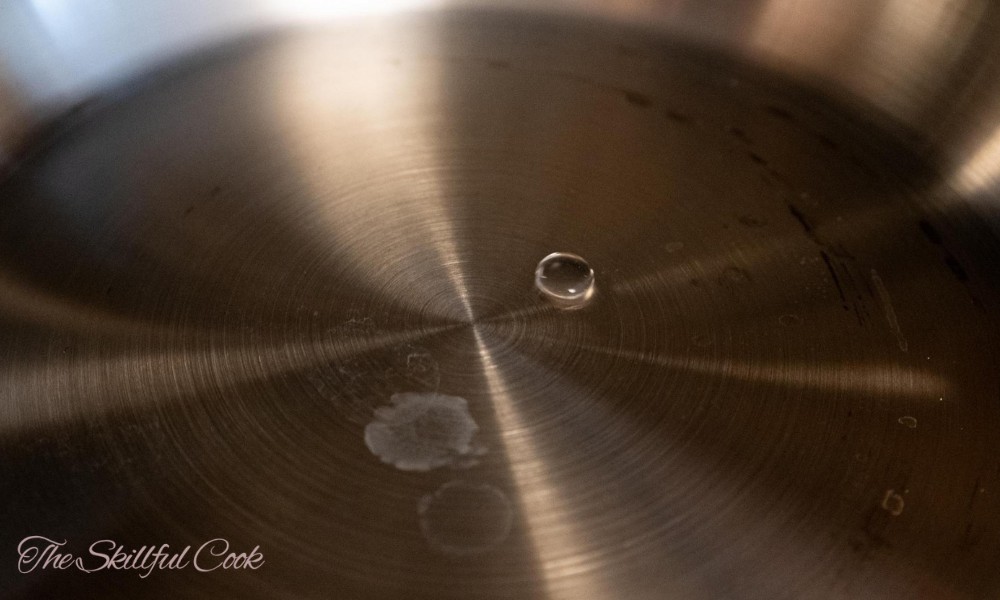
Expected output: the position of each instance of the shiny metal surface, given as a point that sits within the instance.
(283, 294)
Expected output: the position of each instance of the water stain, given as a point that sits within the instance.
(424, 431)
(462, 518)
(908, 421)
(413, 368)
(790, 320)
(355, 323)
(893, 503)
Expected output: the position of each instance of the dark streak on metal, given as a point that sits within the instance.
(956, 268)
(834, 277)
(803, 221)
(930, 232)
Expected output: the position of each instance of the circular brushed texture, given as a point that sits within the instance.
(285, 295)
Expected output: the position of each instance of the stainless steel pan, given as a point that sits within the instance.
(270, 324)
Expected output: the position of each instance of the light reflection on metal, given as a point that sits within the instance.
(980, 172)
(98, 384)
(867, 45)
(862, 378)
(398, 177)
(559, 545)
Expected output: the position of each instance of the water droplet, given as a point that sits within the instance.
(420, 432)
(465, 518)
(565, 280)
(910, 422)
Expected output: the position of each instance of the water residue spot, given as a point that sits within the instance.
(908, 421)
(892, 503)
(565, 280)
(355, 323)
(424, 431)
(672, 247)
(412, 368)
(463, 518)
(419, 362)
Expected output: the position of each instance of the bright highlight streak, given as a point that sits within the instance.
(555, 537)
(857, 378)
(981, 172)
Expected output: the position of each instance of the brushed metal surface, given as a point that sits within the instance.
(785, 385)
(933, 66)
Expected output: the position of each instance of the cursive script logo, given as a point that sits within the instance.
(37, 553)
